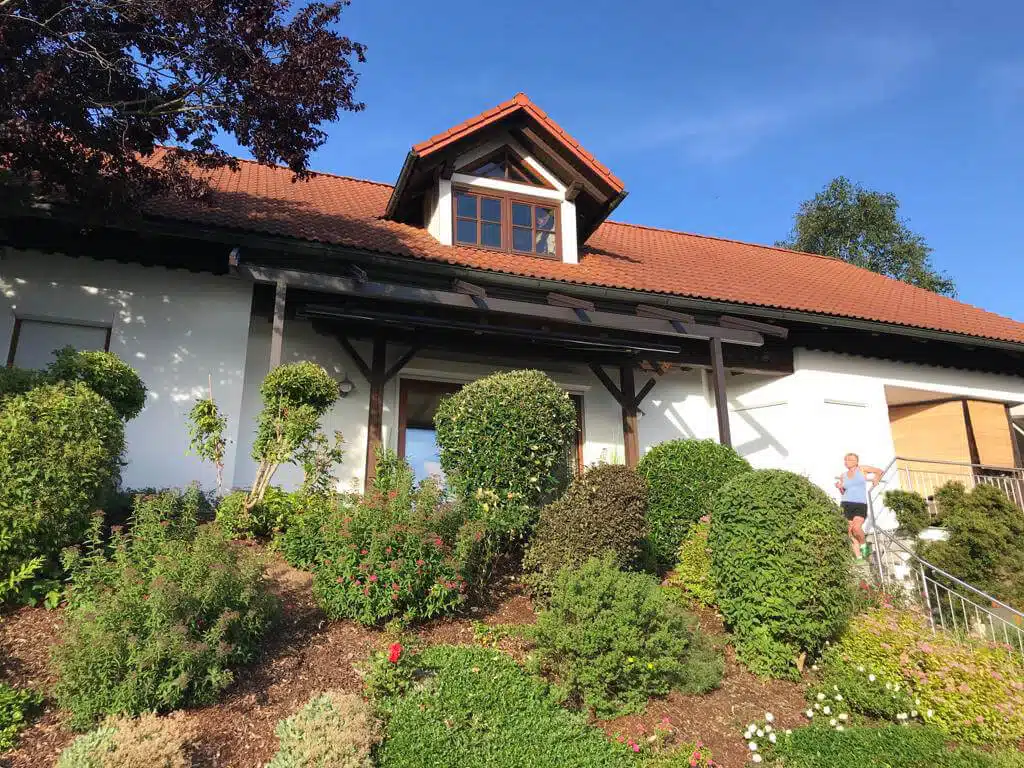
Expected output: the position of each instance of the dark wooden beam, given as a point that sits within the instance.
(400, 364)
(663, 313)
(563, 300)
(644, 391)
(721, 398)
(605, 379)
(375, 420)
(630, 438)
(742, 323)
(356, 357)
(573, 190)
(470, 289)
(972, 440)
(549, 157)
(277, 333)
(447, 170)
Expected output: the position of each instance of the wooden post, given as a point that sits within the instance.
(1018, 460)
(375, 421)
(627, 386)
(277, 337)
(721, 400)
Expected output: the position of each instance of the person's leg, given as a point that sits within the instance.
(853, 541)
(857, 534)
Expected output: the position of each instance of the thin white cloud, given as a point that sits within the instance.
(842, 75)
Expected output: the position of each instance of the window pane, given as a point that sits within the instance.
(490, 209)
(490, 235)
(38, 340)
(491, 170)
(546, 242)
(465, 231)
(545, 217)
(522, 240)
(422, 453)
(520, 214)
(465, 205)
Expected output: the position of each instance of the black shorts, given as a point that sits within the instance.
(852, 509)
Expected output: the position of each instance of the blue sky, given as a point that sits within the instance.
(722, 116)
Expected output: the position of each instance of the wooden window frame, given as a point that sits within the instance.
(509, 156)
(12, 349)
(507, 199)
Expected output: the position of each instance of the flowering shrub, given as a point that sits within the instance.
(612, 639)
(146, 742)
(683, 477)
(16, 706)
(845, 688)
(660, 747)
(973, 691)
(477, 708)
(302, 542)
(333, 730)
(761, 735)
(693, 571)
(503, 445)
(868, 596)
(400, 553)
(891, 746)
(160, 623)
(603, 510)
(780, 559)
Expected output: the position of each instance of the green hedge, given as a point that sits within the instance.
(106, 375)
(683, 477)
(503, 442)
(911, 511)
(780, 560)
(603, 510)
(611, 639)
(693, 571)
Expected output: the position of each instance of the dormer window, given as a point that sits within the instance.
(506, 222)
(505, 164)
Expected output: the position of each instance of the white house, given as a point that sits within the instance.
(493, 250)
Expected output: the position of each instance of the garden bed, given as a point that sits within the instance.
(307, 653)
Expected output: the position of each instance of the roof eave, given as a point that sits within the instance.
(399, 189)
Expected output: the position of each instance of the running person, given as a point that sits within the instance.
(853, 485)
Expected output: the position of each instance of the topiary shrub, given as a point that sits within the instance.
(60, 450)
(780, 560)
(604, 510)
(911, 511)
(16, 707)
(693, 571)
(105, 374)
(683, 477)
(333, 730)
(272, 515)
(161, 622)
(985, 547)
(146, 742)
(611, 639)
(18, 381)
(503, 445)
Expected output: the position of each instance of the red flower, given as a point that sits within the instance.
(373, 577)
(394, 652)
(363, 552)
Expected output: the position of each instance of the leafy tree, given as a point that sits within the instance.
(98, 86)
(863, 227)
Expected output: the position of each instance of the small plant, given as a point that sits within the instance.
(612, 639)
(272, 515)
(206, 434)
(604, 510)
(400, 553)
(693, 572)
(16, 707)
(780, 561)
(911, 511)
(390, 672)
(845, 689)
(503, 445)
(683, 477)
(161, 622)
(761, 735)
(333, 730)
(146, 742)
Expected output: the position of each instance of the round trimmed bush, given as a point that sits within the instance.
(683, 477)
(780, 560)
(604, 510)
(334, 730)
(503, 442)
(60, 450)
(105, 374)
(911, 510)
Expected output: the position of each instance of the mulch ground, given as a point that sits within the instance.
(307, 654)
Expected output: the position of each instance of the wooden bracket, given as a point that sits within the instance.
(400, 364)
(476, 292)
(617, 393)
(743, 324)
(356, 357)
(573, 190)
(358, 273)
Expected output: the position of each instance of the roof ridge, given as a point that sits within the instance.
(278, 166)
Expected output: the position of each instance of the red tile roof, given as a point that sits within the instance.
(519, 102)
(346, 211)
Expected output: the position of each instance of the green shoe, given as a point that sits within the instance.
(865, 551)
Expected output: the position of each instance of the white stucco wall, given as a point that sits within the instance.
(176, 328)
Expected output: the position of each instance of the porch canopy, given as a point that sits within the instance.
(469, 319)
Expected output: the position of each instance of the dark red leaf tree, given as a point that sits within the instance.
(91, 91)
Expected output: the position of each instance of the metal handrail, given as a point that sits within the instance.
(955, 464)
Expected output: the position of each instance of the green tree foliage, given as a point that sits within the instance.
(683, 477)
(503, 444)
(161, 622)
(911, 511)
(60, 449)
(780, 559)
(863, 227)
(603, 510)
(611, 639)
